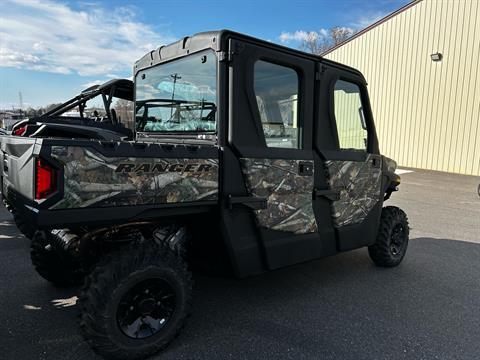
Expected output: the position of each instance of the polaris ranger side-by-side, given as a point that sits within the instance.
(266, 152)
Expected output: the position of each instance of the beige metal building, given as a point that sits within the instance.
(422, 64)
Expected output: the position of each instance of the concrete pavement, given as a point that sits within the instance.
(340, 307)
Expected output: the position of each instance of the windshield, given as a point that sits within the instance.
(179, 96)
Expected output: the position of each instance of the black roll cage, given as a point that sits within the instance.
(116, 88)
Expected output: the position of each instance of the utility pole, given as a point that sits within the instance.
(175, 78)
(20, 100)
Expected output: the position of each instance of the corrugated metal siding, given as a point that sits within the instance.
(347, 105)
(427, 113)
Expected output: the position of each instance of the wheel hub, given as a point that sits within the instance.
(398, 238)
(146, 308)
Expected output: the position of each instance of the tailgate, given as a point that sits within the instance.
(17, 162)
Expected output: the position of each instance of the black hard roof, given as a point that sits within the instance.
(216, 40)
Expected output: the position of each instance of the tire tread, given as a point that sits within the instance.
(108, 275)
(380, 251)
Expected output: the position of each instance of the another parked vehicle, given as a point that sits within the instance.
(72, 120)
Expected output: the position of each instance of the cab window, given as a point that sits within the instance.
(276, 91)
(349, 116)
(178, 96)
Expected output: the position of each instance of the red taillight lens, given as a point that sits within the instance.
(45, 180)
(20, 131)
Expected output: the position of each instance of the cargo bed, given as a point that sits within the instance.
(60, 182)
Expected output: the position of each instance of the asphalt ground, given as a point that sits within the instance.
(342, 307)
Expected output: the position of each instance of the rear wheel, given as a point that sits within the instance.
(7, 206)
(60, 270)
(135, 302)
(392, 238)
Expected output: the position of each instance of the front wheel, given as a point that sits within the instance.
(135, 302)
(392, 238)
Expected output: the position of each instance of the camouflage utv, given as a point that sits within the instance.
(244, 150)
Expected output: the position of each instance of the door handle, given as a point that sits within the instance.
(376, 162)
(252, 202)
(329, 194)
(305, 168)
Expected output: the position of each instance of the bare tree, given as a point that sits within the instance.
(317, 42)
(124, 110)
(339, 34)
(313, 43)
(31, 112)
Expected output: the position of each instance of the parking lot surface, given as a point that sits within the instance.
(341, 307)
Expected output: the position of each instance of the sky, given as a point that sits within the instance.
(50, 50)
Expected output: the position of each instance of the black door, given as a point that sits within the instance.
(271, 95)
(352, 164)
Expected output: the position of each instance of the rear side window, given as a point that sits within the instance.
(276, 91)
(351, 126)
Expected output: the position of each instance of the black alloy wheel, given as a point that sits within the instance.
(398, 240)
(146, 308)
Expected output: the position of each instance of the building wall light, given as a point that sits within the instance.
(436, 57)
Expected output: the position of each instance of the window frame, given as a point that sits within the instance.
(245, 132)
(364, 102)
(217, 97)
(300, 118)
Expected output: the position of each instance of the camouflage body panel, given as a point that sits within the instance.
(288, 194)
(390, 164)
(359, 185)
(93, 180)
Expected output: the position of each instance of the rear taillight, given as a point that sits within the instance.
(45, 180)
(20, 131)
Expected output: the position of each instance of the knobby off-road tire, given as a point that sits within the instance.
(7, 206)
(135, 301)
(59, 270)
(25, 228)
(392, 238)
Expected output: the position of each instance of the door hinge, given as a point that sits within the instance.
(319, 73)
(225, 56)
